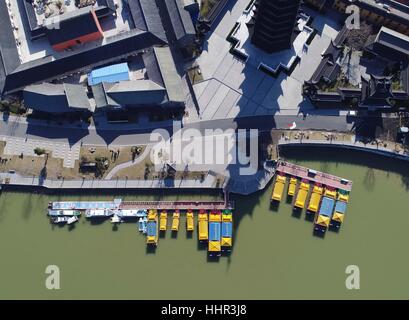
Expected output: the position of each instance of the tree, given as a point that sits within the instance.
(39, 151)
(358, 38)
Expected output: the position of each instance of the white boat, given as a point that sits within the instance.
(60, 220)
(63, 213)
(132, 213)
(72, 220)
(142, 224)
(116, 219)
(98, 213)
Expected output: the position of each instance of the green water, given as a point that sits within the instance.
(275, 255)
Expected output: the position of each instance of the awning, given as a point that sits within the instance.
(226, 242)
(323, 221)
(214, 246)
(338, 217)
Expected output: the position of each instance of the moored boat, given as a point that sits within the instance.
(292, 186)
(203, 233)
(323, 218)
(116, 219)
(190, 221)
(142, 224)
(339, 214)
(315, 199)
(278, 188)
(62, 213)
(343, 195)
(72, 219)
(175, 220)
(227, 230)
(302, 195)
(152, 228)
(98, 213)
(163, 220)
(214, 245)
(60, 220)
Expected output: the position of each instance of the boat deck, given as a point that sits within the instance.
(313, 176)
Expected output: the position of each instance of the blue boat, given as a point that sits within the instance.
(325, 213)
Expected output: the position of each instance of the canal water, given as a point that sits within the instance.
(275, 255)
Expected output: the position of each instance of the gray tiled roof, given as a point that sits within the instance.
(8, 50)
(145, 15)
(180, 18)
(162, 70)
(393, 39)
(56, 98)
(76, 96)
(139, 92)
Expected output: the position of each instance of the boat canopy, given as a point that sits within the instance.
(226, 242)
(323, 221)
(340, 207)
(339, 217)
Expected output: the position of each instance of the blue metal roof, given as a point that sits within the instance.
(151, 228)
(340, 207)
(214, 231)
(327, 207)
(226, 229)
(111, 74)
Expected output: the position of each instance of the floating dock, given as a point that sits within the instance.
(316, 177)
(118, 204)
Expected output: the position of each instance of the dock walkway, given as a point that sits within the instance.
(141, 205)
(314, 176)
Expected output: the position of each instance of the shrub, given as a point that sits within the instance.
(39, 151)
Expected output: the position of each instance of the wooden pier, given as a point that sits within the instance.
(177, 205)
(313, 176)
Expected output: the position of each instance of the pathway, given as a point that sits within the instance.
(128, 164)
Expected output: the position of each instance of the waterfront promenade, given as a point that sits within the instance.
(354, 145)
(243, 185)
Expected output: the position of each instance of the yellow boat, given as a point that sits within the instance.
(278, 188)
(330, 193)
(343, 195)
(190, 221)
(175, 220)
(292, 186)
(315, 198)
(163, 220)
(302, 195)
(152, 228)
(339, 213)
(203, 226)
(214, 246)
(322, 221)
